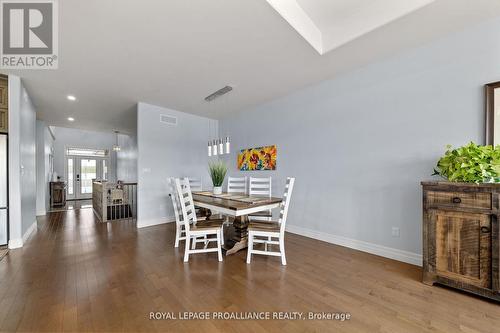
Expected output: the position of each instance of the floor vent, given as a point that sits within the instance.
(168, 119)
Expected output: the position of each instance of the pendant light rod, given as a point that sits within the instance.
(221, 145)
(218, 93)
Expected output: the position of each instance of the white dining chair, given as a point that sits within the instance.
(259, 232)
(180, 233)
(237, 185)
(196, 184)
(194, 230)
(260, 187)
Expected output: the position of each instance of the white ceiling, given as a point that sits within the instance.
(328, 24)
(174, 53)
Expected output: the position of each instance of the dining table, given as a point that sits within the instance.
(237, 206)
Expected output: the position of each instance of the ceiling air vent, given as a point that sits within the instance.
(168, 119)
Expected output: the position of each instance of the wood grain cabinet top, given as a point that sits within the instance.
(460, 236)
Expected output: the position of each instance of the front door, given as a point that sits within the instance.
(86, 172)
(80, 172)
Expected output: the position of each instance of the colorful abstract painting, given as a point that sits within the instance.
(261, 158)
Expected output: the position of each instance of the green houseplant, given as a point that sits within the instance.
(471, 163)
(218, 172)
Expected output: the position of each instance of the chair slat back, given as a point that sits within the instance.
(237, 185)
(285, 203)
(175, 200)
(260, 186)
(186, 202)
(196, 184)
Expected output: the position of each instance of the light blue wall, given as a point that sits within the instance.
(360, 144)
(40, 168)
(44, 147)
(167, 151)
(126, 158)
(22, 162)
(48, 151)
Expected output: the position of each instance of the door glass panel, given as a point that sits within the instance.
(88, 171)
(71, 175)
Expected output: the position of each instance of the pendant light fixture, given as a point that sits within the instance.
(116, 147)
(219, 146)
(214, 147)
(228, 144)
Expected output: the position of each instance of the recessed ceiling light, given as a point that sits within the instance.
(71, 119)
(71, 98)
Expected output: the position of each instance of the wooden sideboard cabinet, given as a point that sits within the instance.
(461, 236)
(57, 194)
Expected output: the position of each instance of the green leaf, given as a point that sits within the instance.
(470, 163)
(217, 172)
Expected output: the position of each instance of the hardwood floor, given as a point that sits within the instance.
(76, 274)
(73, 204)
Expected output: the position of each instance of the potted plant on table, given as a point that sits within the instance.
(471, 163)
(218, 172)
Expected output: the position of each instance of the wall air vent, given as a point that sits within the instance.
(166, 119)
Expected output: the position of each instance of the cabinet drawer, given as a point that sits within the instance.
(459, 199)
(4, 121)
(4, 94)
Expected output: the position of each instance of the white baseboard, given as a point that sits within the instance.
(379, 250)
(19, 242)
(15, 243)
(28, 232)
(152, 222)
(41, 213)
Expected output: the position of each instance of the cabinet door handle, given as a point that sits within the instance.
(485, 230)
(456, 200)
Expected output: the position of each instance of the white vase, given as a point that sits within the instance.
(217, 190)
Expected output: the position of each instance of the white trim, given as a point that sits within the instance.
(77, 195)
(19, 242)
(379, 250)
(291, 11)
(152, 222)
(15, 243)
(41, 213)
(28, 232)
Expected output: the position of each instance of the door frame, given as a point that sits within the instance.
(77, 164)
